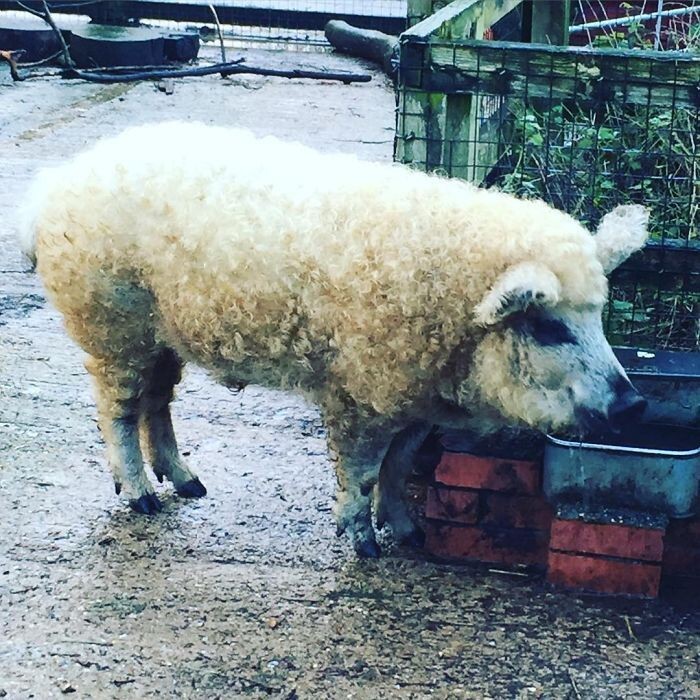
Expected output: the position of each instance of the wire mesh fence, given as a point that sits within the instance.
(658, 24)
(585, 130)
(288, 24)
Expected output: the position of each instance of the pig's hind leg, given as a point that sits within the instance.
(118, 388)
(157, 434)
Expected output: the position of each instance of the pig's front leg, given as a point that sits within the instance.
(390, 495)
(357, 445)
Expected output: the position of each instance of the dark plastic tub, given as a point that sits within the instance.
(670, 381)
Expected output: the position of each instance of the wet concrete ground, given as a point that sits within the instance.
(247, 593)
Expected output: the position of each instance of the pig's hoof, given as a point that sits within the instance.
(368, 549)
(414, 539)
(159, 476)
(117, 487)
(193, 488)
(148, 504)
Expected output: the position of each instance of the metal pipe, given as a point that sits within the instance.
(576, 28)
(657, 33)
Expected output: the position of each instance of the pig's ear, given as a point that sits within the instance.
(621, 232)
(519, 287)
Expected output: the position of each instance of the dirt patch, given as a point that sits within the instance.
(76, 110)
(248, 593)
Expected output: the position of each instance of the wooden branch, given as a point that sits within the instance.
(224, 69)
(366, 43)
(296, 73)
(9, 58)
(118, 70)
(42, 62)
(134, 74)
(218, 29)
(48, 18)
(46, 15)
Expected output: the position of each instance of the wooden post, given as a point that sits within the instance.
(456, 133)
(550, 22)
(420, 129)
(418, 10)
(460, 132)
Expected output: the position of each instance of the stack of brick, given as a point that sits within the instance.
(487, 509)
(492, 510)
(622, 558)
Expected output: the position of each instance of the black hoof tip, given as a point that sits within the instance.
(380, 524)
(159, 477)
(148, 504)
(368, 549)
(192, 489)
(117, 488)
(415, 539)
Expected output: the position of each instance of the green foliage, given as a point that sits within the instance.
(587, 160)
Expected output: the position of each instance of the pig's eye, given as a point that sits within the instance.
(544, 330)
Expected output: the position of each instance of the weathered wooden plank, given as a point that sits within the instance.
(462, 18)
(668, 282)
(456, 134)
(669, 266)
(459, 121)
(530, 59)
(421, 125)
(550, 22)
(678, 257)
(451, 81)
(472, 144)
(418, 10)
(506, 68)
(449, 16)
(460, 130)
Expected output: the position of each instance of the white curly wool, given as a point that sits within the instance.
(238, 238)
(620, 233)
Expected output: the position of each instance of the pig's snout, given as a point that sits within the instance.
(627, 408)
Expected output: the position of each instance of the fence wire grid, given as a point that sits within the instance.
(288, 24)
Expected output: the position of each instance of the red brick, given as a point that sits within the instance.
(493, 545)
(610, 539)
(470, 471)
(452, 504)
(601, 575)
(681, 561)
(507, 510)
(684, 532)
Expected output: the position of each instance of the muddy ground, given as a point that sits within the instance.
(248, 593)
